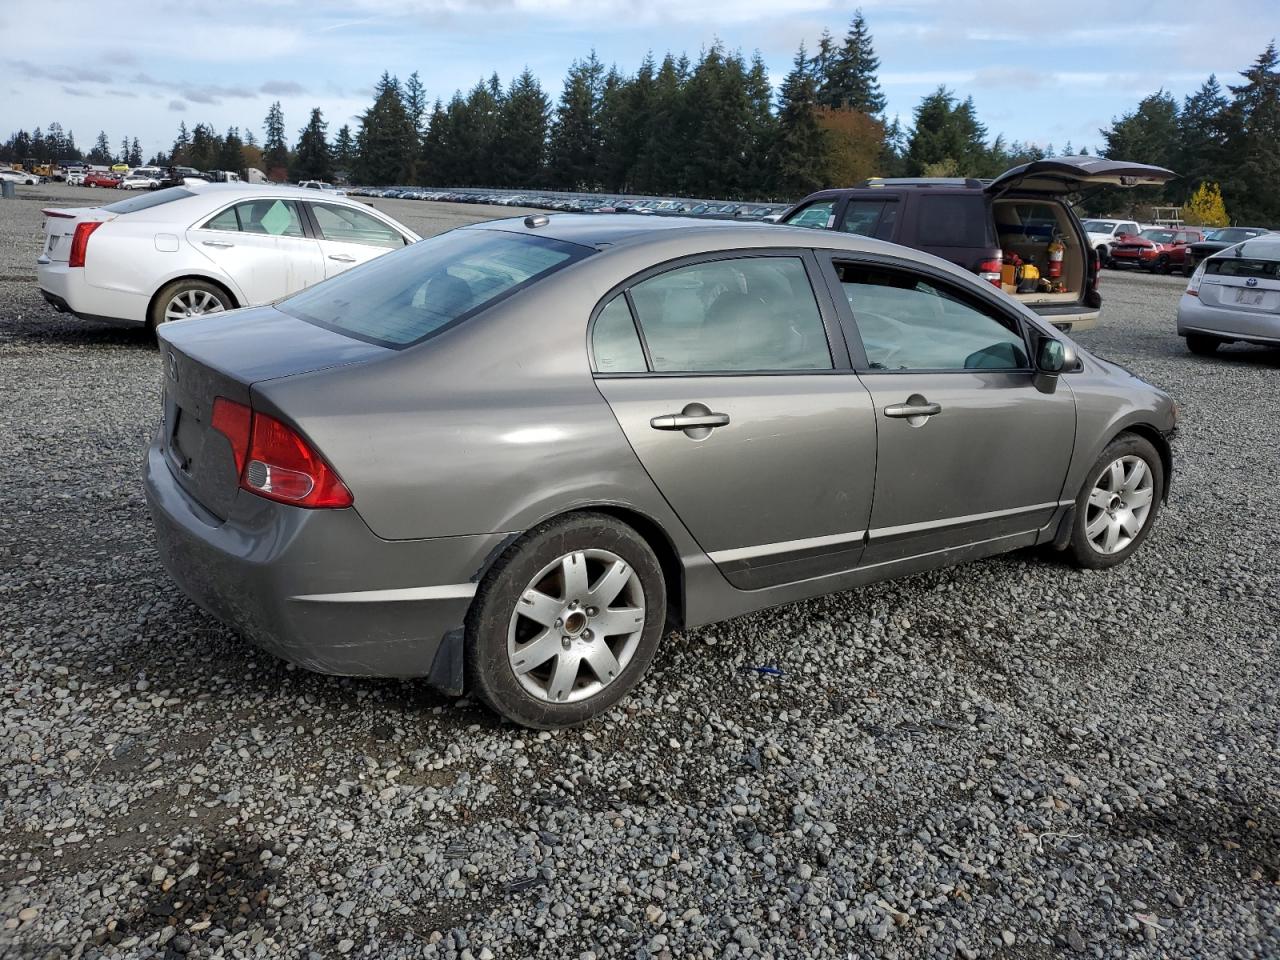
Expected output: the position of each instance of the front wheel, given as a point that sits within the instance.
(1118, 504)
(567, 622)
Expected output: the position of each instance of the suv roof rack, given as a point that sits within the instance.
(969, 183)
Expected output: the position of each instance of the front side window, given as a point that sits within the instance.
(816, 216)
(404, 297)
(749, 314)
(907, 322)
(354, 226)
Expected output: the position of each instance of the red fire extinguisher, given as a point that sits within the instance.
(1056, 249)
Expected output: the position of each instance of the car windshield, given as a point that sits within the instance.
(1230, 235)
(146, 200)
(1099, 226)
(1157, 236)
(404, 297)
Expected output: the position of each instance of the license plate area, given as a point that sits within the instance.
(1249, 298)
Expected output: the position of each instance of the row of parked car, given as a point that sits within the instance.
(1162, 248)
(583, 203)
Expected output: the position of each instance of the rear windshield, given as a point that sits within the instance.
(404, 297)
(144, 201)
(1231, 266)
(955, 221)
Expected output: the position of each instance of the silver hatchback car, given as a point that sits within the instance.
(1234, 296)
(507, 458)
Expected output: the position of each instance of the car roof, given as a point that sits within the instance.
(230, 191)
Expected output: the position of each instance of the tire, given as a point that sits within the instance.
(1201, 345)
(560, 687)
(198, 293)
(1110, 503)
(1161, 265)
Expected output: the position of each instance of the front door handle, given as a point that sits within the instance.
(342, 257)
(680, 421)
(905, 411)
(221, 244)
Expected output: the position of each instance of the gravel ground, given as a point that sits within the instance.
(1008, 759)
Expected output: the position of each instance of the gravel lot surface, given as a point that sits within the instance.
(1008, 759)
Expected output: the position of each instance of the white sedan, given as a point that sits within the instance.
(21, 176)
(204, 248)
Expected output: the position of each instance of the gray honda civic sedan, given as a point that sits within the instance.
(508, 458)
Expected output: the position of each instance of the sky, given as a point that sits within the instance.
(1038, 72)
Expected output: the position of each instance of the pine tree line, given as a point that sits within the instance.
(714, 127)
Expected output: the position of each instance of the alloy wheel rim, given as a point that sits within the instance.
(192, 303)
(576, 626)
(1119, 504)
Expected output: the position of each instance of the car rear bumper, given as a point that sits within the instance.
(68, 292)
(1196, 317)
(1072, 319)
(316, 587)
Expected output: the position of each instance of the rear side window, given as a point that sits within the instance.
(277, 218)
(861, 217)
(748, 314)
(817, 216)
(614, 340)
(908, 322)
(404, 297)
(145, 201)
(954, 221)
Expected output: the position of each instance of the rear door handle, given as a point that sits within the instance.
(342, 257)
(685, 421)
(905, 411)
(216, 243)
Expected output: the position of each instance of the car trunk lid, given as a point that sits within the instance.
(60, 225)
(1241, 282)
(1061, 175)
(224, 356)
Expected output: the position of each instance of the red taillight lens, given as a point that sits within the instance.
(989, 270)
(274, 461)
(80, 241)
(235, 422)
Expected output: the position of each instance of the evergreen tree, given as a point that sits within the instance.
(521, 146)
(718, 128)
(947, 139)
(638, 128)
(1148, 134)
(124, 150)
(435, 148)
(575, 138)
(663, 132)
(311, 157)
(1252, 191)
(800, 155)
(762, 129)
(101, 152)
(180, 154)
(850, 76)
(39, 149)
(823, 63)
(250, 139)
(344, 150)
(615, 119)
(385, 151)
(415, 106)
(275, 151)
(476, 132)
(135, 153)
(1202, 135)
(206, 147)
(231, 156)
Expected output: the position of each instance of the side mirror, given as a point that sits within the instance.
(1053, 356)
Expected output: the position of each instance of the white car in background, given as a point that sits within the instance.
(197, 249)
(139, 181)
(1104, 232)
(328, 188)
(21, 176)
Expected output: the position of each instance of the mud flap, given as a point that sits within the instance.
(447, 670)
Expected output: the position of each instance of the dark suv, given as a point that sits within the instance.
(996, 228)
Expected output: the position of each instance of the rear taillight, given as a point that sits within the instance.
(1193, 285)
(80, 242)
(989, 270)
(274, 461)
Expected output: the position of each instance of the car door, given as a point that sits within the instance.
(349, 236)
(968, 450)
(262, 246)
(723, 376)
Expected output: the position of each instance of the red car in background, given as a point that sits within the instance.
(1158, 249)
(101, 180)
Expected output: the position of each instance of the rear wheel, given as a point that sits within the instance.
(1201, 345)
(187, 298)
(567, 622)
(1118, 503)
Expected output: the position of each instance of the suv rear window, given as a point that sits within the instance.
(145, 201)
(954, 221)
(402, 298)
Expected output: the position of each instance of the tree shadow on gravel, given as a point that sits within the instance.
(1236, 354)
